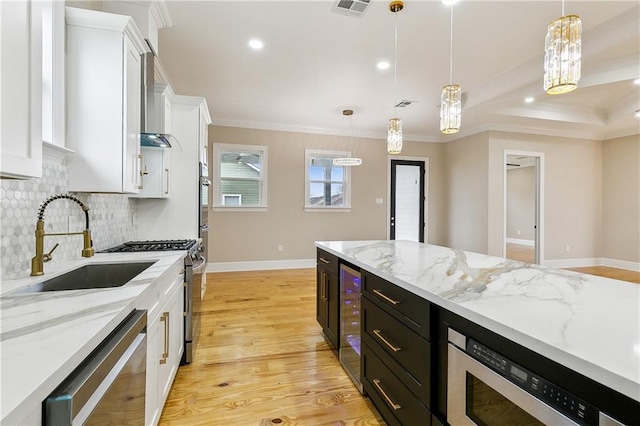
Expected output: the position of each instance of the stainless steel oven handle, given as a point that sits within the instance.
(200, 266)
(460, 363)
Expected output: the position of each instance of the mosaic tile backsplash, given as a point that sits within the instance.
(111, 220)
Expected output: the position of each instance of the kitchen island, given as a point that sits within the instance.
(588, 324)
(45, 336)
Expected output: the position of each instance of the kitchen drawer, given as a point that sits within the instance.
(395, 402)
(403, 351)
(405, 306)
(328, 260)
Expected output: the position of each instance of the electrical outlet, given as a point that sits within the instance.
(518, 232)
(568, 248)
(280, 248)
(379, 201)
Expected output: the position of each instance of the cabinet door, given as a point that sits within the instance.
(152, 408)
(132, 179)
(170, 342)
(203, 135)
(155, 173)
(322, 301)
(333, 317)
(21, 88)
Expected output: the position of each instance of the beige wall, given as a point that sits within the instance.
(466, 196)
(573, 193)
(621, 199)
(521, 203)
(255, 236)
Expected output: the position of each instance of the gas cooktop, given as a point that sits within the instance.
(152, 245)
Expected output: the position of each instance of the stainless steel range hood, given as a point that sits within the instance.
(150, 123)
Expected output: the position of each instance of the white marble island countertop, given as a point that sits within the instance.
(44, 336)
(587, 323)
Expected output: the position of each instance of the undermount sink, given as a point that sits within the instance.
(95, 275)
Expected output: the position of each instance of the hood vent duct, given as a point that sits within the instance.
(150, 123)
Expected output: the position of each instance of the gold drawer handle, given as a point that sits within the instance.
(386, 342)
(392, 404)
(325, 261)
(387, 298)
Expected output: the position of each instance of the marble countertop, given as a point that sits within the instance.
(44, 336)
(587, 323)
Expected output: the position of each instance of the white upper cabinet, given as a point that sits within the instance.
(21, 88)
(104, 69)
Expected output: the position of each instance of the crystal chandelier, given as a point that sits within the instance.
(451, 97)
(394, 130)
(348, 161)
(563, 48)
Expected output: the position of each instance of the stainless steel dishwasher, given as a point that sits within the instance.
(108, 387)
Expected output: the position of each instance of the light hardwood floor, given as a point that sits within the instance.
(262, 359)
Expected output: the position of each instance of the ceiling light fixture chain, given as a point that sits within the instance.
(394, 129)
(451, 97)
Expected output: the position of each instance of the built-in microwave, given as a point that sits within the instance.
(485, 388)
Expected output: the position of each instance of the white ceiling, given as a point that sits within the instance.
(316, 63)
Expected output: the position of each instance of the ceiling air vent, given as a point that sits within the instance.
(355, 8)
(404, 103)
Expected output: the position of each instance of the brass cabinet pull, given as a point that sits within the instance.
(385, 297)
(324, 286)
(165, 347)
(325, 261)
(386, 342)
(392, 404)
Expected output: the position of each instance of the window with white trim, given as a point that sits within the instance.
(240, 180)
(327, 186)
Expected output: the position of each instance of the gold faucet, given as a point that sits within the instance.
(37, 263)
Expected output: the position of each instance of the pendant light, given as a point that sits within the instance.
(563, 48)
(348, 161)
(451, 97)
(394, 130)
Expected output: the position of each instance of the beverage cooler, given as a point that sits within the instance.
(350, 294)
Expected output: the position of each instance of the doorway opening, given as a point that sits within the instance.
(523, 206)
(407, 199)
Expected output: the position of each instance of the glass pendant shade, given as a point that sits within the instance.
(347, 161)
(450, 109)
(394, 136)
(563, 49)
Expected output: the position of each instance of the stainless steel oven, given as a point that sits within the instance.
(486, 388)
(109, 386)
(194, 269)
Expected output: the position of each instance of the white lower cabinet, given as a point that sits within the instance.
(165, 339)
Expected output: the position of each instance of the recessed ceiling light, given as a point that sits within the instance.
(638, 113)
(449, 2)
(383, 65)
(637, 81)
(529, 99)
(255, 44)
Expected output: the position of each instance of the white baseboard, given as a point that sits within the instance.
(261, 265)
(622, 264)
(571, 263)
(531, 243)
(596, 261)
